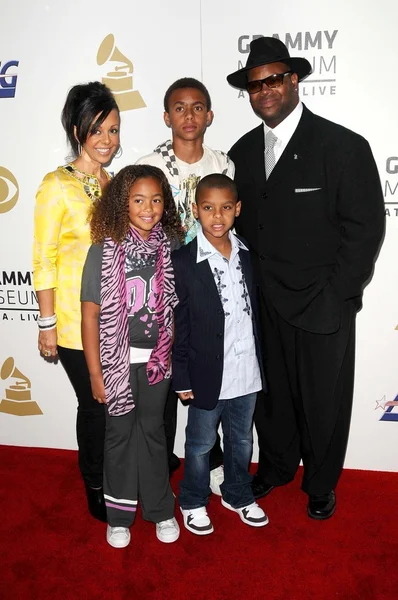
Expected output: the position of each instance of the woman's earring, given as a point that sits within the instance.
(119, 152)
(79, 148)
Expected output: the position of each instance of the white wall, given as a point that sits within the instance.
(353, 44)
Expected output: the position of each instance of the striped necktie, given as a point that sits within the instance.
(269, 155)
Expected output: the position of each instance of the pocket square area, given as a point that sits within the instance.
(302, 190)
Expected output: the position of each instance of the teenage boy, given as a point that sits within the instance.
(216, 356)
(185, 160)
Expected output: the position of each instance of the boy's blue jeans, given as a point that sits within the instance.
(236, 417)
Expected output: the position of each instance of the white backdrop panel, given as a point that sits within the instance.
(350, 46)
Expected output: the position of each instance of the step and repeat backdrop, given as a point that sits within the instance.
(138, 49)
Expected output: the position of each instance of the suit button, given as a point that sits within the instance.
(220, 311)
(219, 335)
(260, 226)
(262, 257)
(264, 196)
(218, 356)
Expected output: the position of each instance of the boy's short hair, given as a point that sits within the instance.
(187, 82)
(217, 181)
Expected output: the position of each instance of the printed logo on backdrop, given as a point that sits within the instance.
(17, 398)
(9, 190)
(318, 47)
(390, 408)
(390, 187)
(8, 78)
(18, 301)
(119, 79)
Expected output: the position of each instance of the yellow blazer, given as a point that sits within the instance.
(61, 243)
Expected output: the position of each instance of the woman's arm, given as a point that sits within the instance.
(48, 216)
(47, 338)
(91, 347)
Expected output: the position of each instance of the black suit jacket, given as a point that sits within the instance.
(316, 224)
(198, 351)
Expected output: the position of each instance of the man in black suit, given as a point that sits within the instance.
(313, 214)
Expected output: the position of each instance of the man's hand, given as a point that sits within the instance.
(185, 396)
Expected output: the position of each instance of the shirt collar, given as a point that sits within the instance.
(207, 250)
(285, 130)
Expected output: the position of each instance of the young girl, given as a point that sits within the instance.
(127, 327)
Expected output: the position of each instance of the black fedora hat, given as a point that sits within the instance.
(267, 50)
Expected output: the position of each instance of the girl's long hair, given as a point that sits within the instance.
(110, 213)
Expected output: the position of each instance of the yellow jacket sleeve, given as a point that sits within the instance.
(48, 216)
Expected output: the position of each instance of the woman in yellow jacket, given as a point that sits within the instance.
(91, 121)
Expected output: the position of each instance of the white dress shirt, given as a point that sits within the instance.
(241, 373)
(285, 130)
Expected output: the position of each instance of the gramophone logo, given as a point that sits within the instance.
(18, 400)
(8, 196)
(119, 79)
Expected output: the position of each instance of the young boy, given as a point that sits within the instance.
(216, 355)
(185, 160)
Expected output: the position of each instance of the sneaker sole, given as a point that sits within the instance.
(170, 539)
(119, 545)
(195, 531)
(262, 524)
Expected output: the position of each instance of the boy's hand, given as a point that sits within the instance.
(185, 396)
(98, 388)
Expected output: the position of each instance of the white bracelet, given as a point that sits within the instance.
(42, 319)
(47, 327)
(47, 322)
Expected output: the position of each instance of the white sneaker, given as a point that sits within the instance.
(118, 537)
(168, 531)
(252, 514)
(216, 479)
(197, 521)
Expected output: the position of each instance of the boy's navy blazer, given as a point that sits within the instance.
(198, 351)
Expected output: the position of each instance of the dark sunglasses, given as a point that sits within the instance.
(273, 81)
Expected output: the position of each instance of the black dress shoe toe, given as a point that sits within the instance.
(96, 503)
(260, 488)
(322, 507)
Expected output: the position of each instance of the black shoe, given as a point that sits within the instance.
(260, 488)
(174, 463)
(96, 503)
(322, 507)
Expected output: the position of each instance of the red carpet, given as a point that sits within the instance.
(52, 549)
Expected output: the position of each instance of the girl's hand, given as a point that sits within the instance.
(98, 388)
(47, 343)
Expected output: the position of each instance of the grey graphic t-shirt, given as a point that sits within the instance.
(140, 275)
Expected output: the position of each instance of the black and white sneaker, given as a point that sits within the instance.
(252, 514)
(197, 520)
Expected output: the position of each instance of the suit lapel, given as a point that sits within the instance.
(298, 150)
(255, 158)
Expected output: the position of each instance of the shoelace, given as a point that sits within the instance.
(118, 530)
(166, 524)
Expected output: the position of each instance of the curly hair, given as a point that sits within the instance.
(110, 213)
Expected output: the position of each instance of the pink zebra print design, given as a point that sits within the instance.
(114, 334)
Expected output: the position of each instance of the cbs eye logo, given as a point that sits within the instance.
(8, 80)
(9, 190)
